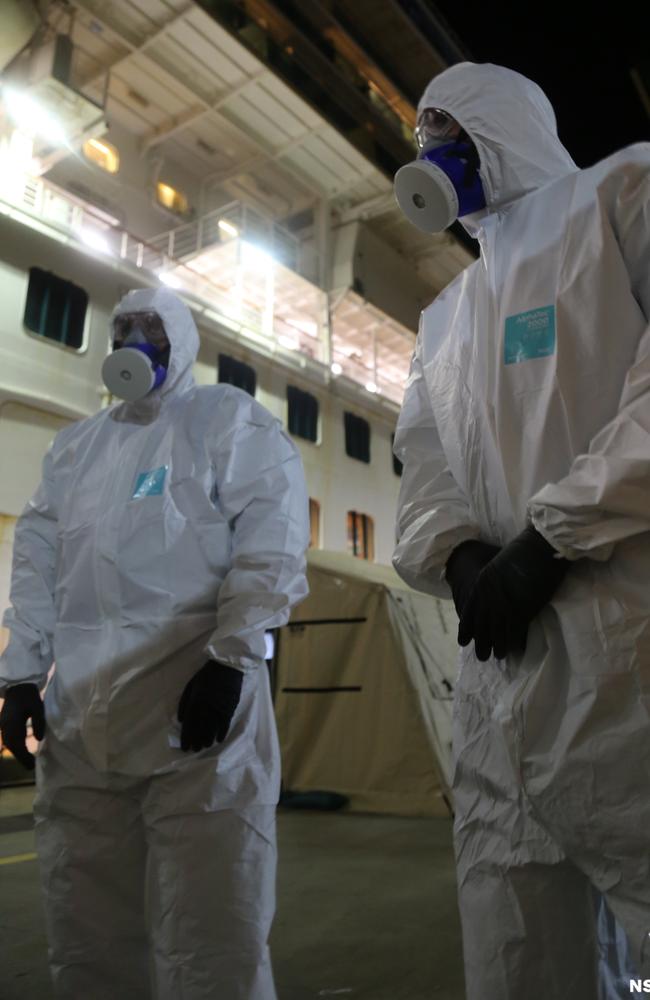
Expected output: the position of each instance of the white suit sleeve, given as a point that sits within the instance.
(433, 513)
(31, 617)
(262, 493)
(605, 497)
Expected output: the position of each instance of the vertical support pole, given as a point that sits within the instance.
(323, 250)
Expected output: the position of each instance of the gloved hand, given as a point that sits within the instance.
(463, 567)
(208, 704)
(22, 702)
(509, 592)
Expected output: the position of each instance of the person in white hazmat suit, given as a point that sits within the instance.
(525, 440)
(167, 534)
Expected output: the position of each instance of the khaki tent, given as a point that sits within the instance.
(364, 675)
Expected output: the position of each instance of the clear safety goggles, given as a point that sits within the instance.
(433, 123)
(148, 323)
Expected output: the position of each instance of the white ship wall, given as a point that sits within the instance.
(128, 195)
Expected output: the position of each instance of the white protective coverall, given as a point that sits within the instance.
(528, 400)
(164, 533)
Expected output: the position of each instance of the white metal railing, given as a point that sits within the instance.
(246, 269)
(235, 219)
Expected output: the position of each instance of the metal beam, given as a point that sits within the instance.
(219, 176)
(369, 209)
(135, 48)
(202, 109)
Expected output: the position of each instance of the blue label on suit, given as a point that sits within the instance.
(530, 335)
(150, 484)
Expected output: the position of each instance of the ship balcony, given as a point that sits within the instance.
(245, 272)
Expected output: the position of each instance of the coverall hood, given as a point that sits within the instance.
(181, 332)
(511, 122)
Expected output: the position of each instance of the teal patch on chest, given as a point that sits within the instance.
(530, 335)
(150, 484)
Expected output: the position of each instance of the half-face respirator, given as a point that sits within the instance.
(138, 364)
(443, 183)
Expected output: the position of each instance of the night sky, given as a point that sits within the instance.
(580, 59)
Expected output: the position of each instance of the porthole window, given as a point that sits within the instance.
(103, 154)
(171, 199)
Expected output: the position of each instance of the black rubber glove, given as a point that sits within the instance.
(208, 704)
(463, 567)
(510, 591)
(22, 702)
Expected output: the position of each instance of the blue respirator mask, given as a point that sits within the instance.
(138, 364)
(442, 185)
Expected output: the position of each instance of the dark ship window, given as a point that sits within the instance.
(55, 308)
(357, 437)
(237, 373)
(397, 465)
(303, 413)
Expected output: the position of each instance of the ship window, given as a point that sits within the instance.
(237, 373)
(303, 413)
(357, 437)
(314, 524)
(397, 465)
(361, 535)
(55, 308)
(172, 199)
(102, 154)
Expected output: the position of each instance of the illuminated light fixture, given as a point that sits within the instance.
(287, 342)
(169, 279)
(172, 199)
(102, 154)
(371, 387)
(255, 258)
(32, 117)
(227, 227)
(336, 368)
(94, 239)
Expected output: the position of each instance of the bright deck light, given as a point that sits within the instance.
(169, 279)
(94, 239)
(31, 116)
(227, 227)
